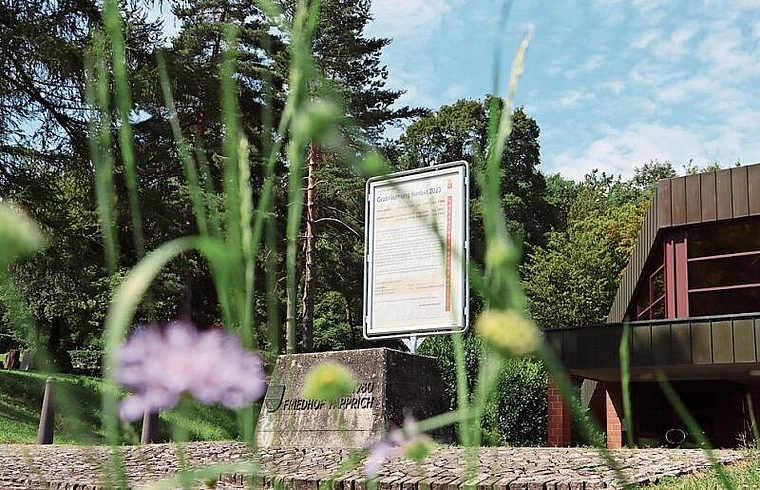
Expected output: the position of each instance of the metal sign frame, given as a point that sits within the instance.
(416, 252)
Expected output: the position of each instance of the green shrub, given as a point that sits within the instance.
(517, 412)
(87, 362)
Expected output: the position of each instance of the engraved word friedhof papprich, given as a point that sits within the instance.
(390, 384)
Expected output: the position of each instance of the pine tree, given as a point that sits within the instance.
(354, 74)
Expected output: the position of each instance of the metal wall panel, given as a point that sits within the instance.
(744, 341)
(722, 342)
(701, 343)
(740, 191)
(680, 343)
(661, 344)
(678, 190)
(693, 199)
(587, 349)
(753, 177)
(641, 250)
(664, 217)
(641, 345)
(708, 195)
(723, 198)
(570, 347)
(554, 341)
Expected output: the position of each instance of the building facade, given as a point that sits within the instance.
(691, 297)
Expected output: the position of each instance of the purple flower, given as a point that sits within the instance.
(212, 366)
(406, 441)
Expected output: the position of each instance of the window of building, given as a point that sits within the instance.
(724, 269)
(650, 299)
(702, 271)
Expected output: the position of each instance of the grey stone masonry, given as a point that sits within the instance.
(390, 384)
(65, 467)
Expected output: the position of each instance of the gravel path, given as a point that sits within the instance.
(82, 467)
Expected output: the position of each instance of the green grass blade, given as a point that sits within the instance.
(185, 153)
(300, 75)
(694, 429)
(625, 381)
(753, 420)
(112, 21)
(463, 403)
(232, 135)
(585, 426)
(100, 143)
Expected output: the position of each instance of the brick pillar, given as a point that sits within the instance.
(560, 418)
(614, 415)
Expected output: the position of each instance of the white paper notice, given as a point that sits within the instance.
(416, 232)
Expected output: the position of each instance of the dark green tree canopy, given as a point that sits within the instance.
(572, 280)
(460, 132)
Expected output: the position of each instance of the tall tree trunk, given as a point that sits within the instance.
(310, 249)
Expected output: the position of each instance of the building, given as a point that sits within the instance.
(691, 296)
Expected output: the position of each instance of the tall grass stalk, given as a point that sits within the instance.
(302, 71)
(625, 381)
(100, 142)
(185, 152)
(113, 26)
(694, 429)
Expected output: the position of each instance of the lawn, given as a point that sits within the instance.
(742, 476)
(77, 421)
(78, 412)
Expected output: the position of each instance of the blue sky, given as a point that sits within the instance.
(612, 84)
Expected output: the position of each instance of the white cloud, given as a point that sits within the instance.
(456, 91)
(650, 10)
(407, 20)
(592, 63)
(686, 89)
(572, 98)
(614, 86)
(621, 150)
(674, 46)
(728, 53)
(645, 6)
(662, 45)
(652, 73)
(645, 39)
(756, 30)
(418, 87)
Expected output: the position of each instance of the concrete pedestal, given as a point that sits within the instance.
(389, 385)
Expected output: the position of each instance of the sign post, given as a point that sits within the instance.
(417, 252)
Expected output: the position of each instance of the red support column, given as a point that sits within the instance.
(676, 275)
(614, 402)
(558, 431)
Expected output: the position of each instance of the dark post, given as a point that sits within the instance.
(45, 432)
(149, 428)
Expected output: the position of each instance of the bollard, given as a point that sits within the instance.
(149, 427)
(45, 432)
